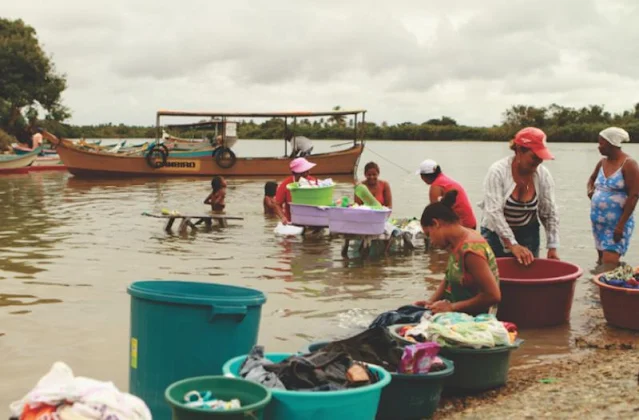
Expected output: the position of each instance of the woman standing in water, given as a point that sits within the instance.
(471, 283)
(440, 184)
(613, 189)
(519, 193)
(380, 189)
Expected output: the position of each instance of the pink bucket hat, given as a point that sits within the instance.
(300, 165)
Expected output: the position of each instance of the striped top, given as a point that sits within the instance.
(499, 185)
(519, 213)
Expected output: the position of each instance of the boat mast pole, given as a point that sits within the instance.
(355, 125)
(363, 133)
(157, 128)
(285, 131)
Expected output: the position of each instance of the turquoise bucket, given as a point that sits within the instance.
(352, 404)
(182, 329)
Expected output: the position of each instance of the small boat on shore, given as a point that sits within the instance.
(160, 160)
(18, 163)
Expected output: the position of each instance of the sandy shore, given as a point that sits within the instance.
(600, 380)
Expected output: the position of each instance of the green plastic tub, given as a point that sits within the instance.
(316, 196)
(184, 330)
(351, 404)
(253, 398)
(476, 370)
(407, 396)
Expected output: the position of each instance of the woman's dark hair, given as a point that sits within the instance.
(371, 165)
(442, 210)
(216, 183)
(270, 188)
(432, 177)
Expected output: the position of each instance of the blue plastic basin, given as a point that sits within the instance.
(352, 404)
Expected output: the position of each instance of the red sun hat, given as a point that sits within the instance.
(534, 139)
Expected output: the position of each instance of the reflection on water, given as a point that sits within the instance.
(69, 248)
(23, 300)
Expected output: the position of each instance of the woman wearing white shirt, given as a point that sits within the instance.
(518, 194)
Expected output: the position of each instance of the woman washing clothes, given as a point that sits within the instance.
(300, 168)
(380, 189)
(518, 193)
(471, 282)
(440, 184)
(613, 189)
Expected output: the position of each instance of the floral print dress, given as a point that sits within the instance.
(606, 208)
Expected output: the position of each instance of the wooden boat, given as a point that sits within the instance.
(160, 161)
(18, 163)
(19, 149)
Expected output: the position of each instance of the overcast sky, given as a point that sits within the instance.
(400, 60)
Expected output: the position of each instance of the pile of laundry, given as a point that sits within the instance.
(421, 358)
(408, 230)
(457, 329)
(306, 183)
(206, 400)
(59, 395)
(622, 276)
(317, 371)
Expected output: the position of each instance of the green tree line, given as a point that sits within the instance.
(31, 89)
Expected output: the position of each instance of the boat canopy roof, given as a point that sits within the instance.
(258, 114)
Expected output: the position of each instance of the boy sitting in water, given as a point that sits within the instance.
(270, 204)
(217, 196)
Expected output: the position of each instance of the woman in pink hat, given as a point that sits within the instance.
(519, 193)
(300, 168)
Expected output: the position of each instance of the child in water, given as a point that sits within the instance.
(217, 196)
(269, 198)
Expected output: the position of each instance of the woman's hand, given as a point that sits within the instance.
(441, 306)
(423, 303)
(522, 254)
(617, 235)
(552, 254)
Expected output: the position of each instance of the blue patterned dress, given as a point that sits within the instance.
(606, 208)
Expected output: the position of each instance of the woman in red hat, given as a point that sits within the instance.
(519, 193)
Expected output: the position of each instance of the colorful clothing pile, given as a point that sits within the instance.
(622, 276)
(61, 396)
(457, 329)
(421, 358)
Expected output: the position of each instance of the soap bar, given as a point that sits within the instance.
(357, 373)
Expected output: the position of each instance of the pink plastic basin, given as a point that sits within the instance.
(306, 215)
(357, 221)
(619, 305)
(539, 295)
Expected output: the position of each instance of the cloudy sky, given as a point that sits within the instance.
(401, 60)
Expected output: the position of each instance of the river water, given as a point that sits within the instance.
(70, 247)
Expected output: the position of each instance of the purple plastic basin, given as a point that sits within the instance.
(307, 215)
(357, 221)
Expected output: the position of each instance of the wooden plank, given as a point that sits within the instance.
(182, 216)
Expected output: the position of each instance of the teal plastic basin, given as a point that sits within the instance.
(183, 330)
(253, 398)
(407, 396)
(352, 404)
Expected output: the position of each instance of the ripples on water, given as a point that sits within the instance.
(69, 248)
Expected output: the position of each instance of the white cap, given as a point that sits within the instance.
(615, 136)
(427, 167)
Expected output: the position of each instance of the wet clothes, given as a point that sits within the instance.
(409, 314)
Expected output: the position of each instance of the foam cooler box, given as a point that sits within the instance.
(306, 215)
(357, 221)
